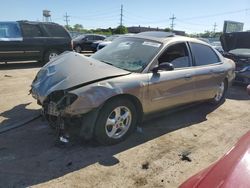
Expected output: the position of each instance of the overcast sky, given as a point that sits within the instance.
(192, 16)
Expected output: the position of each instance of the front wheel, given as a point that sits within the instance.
(116, 121)
(78, 49)
(220, 94)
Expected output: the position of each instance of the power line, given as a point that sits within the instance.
(67, 19)
(215, 25)
(172, 22)
(121, 15)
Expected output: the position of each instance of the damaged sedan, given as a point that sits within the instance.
(108, 94)
(237, 47)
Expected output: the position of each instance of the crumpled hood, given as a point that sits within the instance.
(69, 70)
(231, 41)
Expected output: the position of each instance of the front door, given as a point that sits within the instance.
(176, 87)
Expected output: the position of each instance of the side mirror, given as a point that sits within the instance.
(163, 66)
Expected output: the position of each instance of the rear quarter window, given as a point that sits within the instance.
(56, 31)
(203, 54)
(10, 31)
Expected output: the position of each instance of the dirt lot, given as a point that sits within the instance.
(149, 158)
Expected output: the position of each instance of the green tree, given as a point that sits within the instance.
(167, 29)
(121, 30)
(78, 27)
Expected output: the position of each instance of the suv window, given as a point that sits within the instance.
(176, 54)
(56, 30)
(31, 30)
(99, 38)
(10, 31)
(90, 37)
(203, 54)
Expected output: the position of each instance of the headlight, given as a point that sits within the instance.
(51, 70)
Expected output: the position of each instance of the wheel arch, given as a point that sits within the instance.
(135, 101)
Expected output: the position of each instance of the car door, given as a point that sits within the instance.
(33, 40)
(89, 39)
(172, 88)
(209, 71)
(11, 42)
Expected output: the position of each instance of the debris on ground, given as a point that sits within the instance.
(145, 165)
(184, 156)
(8, 76)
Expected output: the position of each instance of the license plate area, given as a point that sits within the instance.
(52, 109)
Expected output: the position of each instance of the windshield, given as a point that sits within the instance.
(132, 54)
(240, 51)
(80, 37)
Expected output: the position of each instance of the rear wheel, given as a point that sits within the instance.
(49, 55)
(116, 121)
(220, 94)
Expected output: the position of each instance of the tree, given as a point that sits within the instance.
(121, 30)
(78, 27)
(167, 29)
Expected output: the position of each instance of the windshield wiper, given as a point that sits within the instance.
(107, 62)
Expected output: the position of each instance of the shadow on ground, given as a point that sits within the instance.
(238, 92)
(20, 65)
(17, 115)
(28, 155)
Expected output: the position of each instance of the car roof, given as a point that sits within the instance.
(165, 37)
(37, 22)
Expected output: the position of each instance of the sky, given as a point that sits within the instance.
(192, 16)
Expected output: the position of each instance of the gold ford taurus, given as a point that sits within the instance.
(109, 93)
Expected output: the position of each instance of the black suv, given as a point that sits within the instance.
(86, 42)
(25, 40)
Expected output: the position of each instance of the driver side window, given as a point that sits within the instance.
(176, 54)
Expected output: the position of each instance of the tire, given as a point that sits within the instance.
(78, 49)
(220, 95)
(122, 118)
(50, 55)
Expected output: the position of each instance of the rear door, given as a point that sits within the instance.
(172, 88)
(11, 42)
(209, 71)
(33, 40)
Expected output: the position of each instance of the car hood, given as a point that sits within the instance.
(70, 71)
(237, 40)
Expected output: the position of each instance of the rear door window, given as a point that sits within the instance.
(10, 31)
(56, 30)
(203, 54)
(99, 38)
(31, 30)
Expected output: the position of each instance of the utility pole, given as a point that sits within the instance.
(121, 16)
(215, 25)
(66, 19)
(172, 22)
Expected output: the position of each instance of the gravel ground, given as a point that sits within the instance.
(151, 157)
